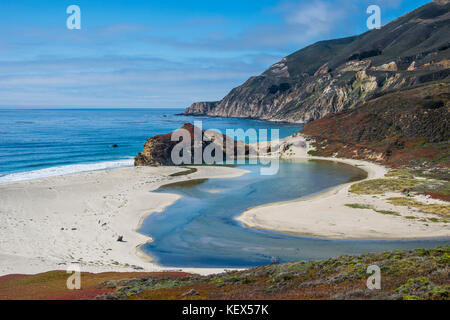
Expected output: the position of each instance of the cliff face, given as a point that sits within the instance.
(332, 76)
(200, 108)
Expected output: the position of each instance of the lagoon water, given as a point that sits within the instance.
(199, 230)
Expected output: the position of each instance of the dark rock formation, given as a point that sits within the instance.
(158, 149)
(202, 108)
(337, 75)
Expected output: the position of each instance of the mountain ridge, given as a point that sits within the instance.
(341, 74)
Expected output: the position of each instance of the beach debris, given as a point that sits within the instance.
(191, 292)
(120, 239)
(137, 267)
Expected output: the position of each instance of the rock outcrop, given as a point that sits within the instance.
(201, 108)
(337, 75)
(158, 149)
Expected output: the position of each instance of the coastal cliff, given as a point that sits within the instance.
(344, 74)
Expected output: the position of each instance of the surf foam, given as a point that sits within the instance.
(63, 170)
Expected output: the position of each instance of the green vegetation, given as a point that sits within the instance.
(369, 207)
(436, 188)
(380, 186)
(440, 209)
(400, 173)
(359, 206)
(403, 180)
(421, 288)
(394, 213)
(184, 173)
(417, 274)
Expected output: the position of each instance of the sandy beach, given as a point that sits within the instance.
(51, 223)
(326, 215)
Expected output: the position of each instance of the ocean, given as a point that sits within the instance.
(36, 143)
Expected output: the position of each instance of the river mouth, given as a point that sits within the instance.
(200, 230)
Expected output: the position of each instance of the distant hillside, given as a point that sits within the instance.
(336, 75)
(407, 127)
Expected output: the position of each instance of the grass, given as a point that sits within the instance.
(380, 186)
(436, 220)
(359, 206)
(420, 274)
(399, 173)
(417, 274)
(435, 188)
(369, 207)
(439, 209)
(394, 213)
(184, 173)
(400, 179)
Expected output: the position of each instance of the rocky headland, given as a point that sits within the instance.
(158, 149)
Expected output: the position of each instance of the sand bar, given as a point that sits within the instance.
(326, 216)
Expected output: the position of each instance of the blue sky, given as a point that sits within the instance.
(155, 53)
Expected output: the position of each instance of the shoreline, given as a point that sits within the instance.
(64, 170)
(241, 118)
(325, 215)
(84, 217)
(128, 192)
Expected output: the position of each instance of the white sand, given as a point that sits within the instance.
(326, 215)
(50, 223)
(93, 208)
